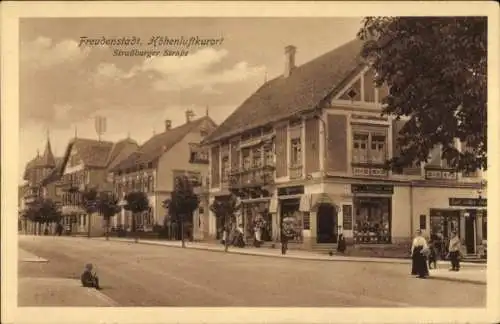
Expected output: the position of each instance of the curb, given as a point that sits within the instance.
(42, 260)
(470, 281)
(210, 249)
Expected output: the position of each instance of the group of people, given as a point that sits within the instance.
(424, 255)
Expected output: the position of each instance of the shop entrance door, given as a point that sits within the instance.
(326, 224)
(470, 232)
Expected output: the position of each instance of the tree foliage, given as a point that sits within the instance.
(88, 201)
(183, 200)
(43, 211)
(225, 208)
(436, 70)
(137, 202)
(107, 205)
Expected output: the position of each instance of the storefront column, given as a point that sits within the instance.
(462, 226)
(479, 228)
(313, 225)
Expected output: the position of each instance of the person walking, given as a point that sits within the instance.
(419, 259)
(454, 251)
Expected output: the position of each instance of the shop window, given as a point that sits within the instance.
(360, 148)
(84, 220)
(246, 158)
(373, 220)
(295, 152)
(443, 223)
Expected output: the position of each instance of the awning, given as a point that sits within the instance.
(323, 198)
(273, 205)
(305, 203)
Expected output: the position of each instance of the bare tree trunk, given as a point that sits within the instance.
(226, 230)
(182, 232)
(89, 224)
(134, 227)
(107, 229)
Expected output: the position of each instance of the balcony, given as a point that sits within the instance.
(252, 177)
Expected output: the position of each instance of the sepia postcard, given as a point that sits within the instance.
(249, 162)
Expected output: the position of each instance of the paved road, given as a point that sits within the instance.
(145, 275)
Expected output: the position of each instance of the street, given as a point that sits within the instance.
(144, 275)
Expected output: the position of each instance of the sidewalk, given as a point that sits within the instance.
(276, 252)
(39, 292)
(476, 276)
(42, 291)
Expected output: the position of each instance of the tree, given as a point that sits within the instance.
(88, 201)
(137, 203)
(43, 211)
(183, 202)
(225, 209)
(107, 206)
(436, 71)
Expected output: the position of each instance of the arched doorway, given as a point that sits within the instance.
(326, 221)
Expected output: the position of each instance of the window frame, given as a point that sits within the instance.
(295, 152)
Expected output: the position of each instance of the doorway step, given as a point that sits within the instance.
(474, 258)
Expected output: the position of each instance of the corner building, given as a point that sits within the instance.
(310, 145)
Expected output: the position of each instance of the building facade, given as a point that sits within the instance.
(310, 146)
(36, 172)
(155, 165)
(84, 166)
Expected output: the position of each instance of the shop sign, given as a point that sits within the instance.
(372, 188)
(468, 202)
(288, 191)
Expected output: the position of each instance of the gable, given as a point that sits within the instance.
(74, 162)
(361, 88)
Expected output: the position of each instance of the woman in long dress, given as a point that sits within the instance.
(419, 260)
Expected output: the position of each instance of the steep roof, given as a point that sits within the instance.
(121, 150)
(161, 143)
(93, 153)
(303, 90)
(47, 159)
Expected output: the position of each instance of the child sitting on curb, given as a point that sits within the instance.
(89, 279)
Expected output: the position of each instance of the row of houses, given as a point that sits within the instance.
(120, 168)
(309, 146)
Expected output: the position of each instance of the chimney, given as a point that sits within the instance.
(168, 124)
(290, 51)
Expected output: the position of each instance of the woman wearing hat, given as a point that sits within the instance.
(419, 259)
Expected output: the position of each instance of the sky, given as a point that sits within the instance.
(65, 84)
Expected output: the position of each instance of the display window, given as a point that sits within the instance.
(372, 220)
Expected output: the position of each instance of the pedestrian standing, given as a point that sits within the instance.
(341, 246)
(454, 252)
(419, 259)
(286, 235)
